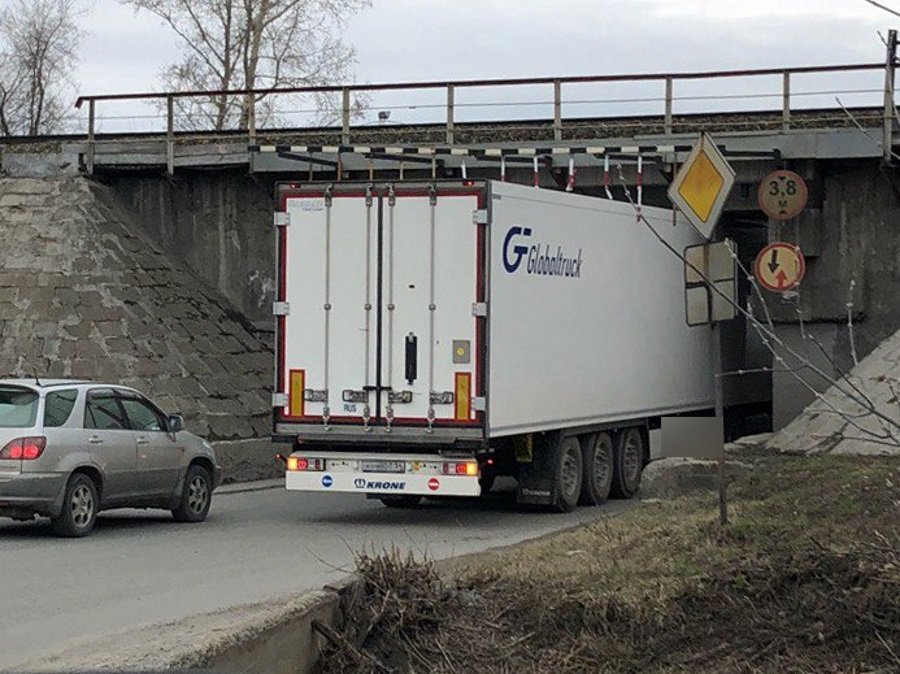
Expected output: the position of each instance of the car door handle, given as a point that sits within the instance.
(94, 440)
(143, 441)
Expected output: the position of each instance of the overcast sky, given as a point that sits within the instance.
(404, 40)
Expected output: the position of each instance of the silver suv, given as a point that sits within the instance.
(69, 449)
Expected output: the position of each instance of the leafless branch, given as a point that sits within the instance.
(252, 44)
(38, 52)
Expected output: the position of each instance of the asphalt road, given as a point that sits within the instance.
(140, 567)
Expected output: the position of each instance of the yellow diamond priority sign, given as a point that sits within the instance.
(702, 185)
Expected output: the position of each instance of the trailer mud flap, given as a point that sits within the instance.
(537, 478)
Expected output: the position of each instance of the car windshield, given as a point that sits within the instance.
(18, 407)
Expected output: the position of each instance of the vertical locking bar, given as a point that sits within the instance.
(326, 411)
(432, 198)
(367, 306)
(389, 409)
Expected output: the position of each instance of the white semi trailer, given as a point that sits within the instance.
(433, 335)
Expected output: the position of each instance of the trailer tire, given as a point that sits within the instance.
(629, 462)
(598, 451)
(407, 501)
(569, 474)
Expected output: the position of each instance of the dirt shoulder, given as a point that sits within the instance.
(806, 578)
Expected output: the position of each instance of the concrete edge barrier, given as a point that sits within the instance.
(272, 637)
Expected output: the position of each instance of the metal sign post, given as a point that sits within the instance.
(700, 190)
(720, 413)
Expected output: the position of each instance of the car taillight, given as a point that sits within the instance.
(25, 449)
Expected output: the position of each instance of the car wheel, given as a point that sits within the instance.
(410, 501)
(79, 512)
(196, 496)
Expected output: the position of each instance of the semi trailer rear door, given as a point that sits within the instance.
(377, 300)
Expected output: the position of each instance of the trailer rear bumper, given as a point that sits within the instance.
(383, 474)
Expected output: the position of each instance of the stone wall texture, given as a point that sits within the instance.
(843, 420)
(85, 293)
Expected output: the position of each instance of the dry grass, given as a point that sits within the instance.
(806, 579)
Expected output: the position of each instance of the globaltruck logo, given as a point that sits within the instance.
(541, 259)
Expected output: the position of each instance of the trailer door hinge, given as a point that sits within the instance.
(479, 309)
(479, 404)
(282, 219)
(281, 308)
(480, 216)
(279, 400)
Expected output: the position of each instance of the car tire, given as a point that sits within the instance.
(629, 462)
(599, 452)
(408, 501)
(79, 511)
(196, 496)
(569, 475)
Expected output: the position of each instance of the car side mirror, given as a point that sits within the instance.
(175, 423)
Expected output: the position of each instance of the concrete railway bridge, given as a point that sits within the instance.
(205, 196)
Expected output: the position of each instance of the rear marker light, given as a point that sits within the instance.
(463, 468)
(300, 463)
(24, 449)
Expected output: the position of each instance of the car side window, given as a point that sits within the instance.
(58, 406)
(104, 413)
(142, 416)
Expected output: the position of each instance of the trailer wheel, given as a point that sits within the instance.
(569, 474)
(408, 501)
(598, 452)
(629, 462)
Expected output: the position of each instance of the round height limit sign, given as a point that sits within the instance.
(782, 195)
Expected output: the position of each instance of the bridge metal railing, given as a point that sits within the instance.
(449, 122)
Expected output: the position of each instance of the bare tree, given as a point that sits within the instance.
(251, 44)
(39, 41)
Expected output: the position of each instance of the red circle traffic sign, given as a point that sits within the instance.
(434, 484)
(779, 267)
(782, 195)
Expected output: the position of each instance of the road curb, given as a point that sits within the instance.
(256, 485)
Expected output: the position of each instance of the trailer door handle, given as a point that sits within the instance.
(412, 357)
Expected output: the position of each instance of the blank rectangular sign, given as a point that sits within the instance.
(695, 437)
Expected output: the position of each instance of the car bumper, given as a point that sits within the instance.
(35, 493)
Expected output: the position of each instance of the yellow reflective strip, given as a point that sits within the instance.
(463, 397)
(295, 397)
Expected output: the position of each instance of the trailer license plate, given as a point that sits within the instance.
(382, 467)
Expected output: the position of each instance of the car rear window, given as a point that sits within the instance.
(58, 407)
(18, 407)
